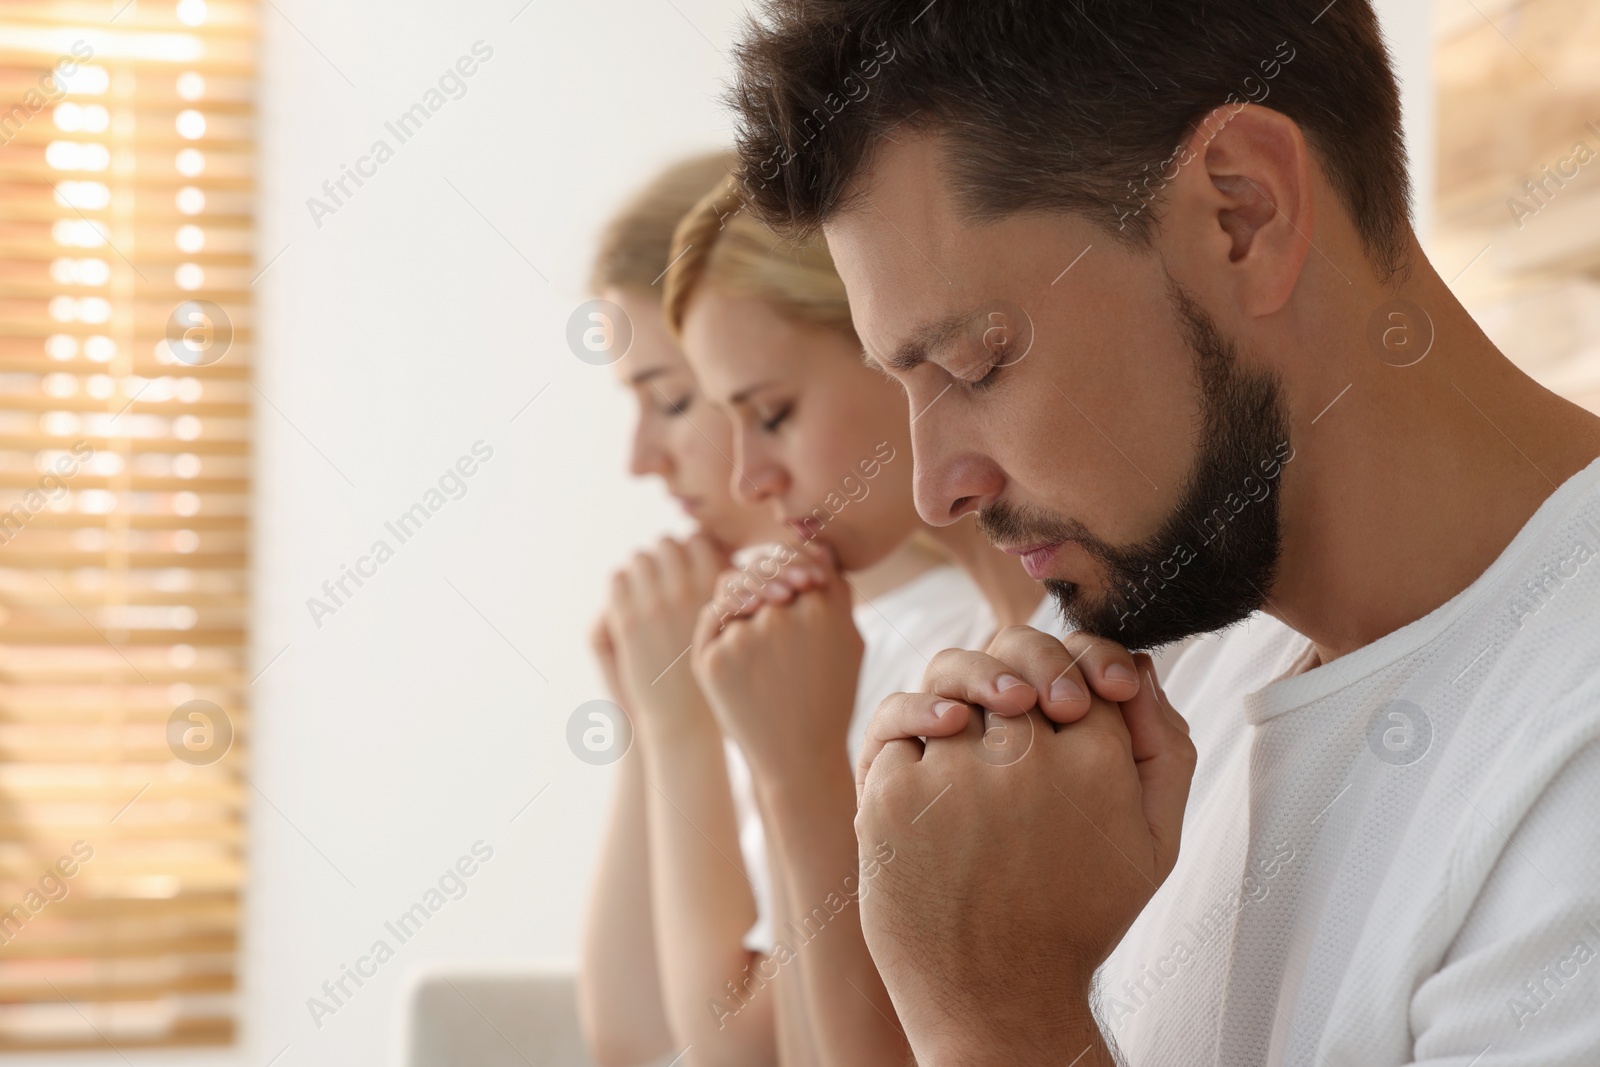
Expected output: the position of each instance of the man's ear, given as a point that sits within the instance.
(1241, 209)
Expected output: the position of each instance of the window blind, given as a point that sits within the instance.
(1518, 210)
(126, 260)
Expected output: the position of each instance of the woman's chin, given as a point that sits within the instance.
(717, 534)
(730, 533)
(852, 555)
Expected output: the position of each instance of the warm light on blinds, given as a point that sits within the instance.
(126, 257)
(1518, 208)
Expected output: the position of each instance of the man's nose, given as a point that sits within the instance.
(951, 476)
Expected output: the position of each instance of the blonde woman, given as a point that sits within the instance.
(619, 987)
(823, 443)
(673, 900)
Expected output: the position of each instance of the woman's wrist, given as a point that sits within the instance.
(678, 733)
(798, 787)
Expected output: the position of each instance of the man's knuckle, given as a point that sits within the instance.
(1100, 747)
(949, 670)
(887, 710)
(1010, 636)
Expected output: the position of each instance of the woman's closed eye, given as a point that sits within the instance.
(770, 422)
(667, 403)
(672, 408)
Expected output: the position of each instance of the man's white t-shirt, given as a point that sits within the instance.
(1392, 858)
(901, 630)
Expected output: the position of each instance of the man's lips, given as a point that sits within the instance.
(1036, 558)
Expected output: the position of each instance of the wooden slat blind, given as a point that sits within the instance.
(126, 222)
(1518, 219)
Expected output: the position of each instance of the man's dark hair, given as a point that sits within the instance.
(1060, 105)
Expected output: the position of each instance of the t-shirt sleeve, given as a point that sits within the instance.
(1520, 985)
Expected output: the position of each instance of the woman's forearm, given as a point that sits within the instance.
(703, 902)
(796, 1047)
(619, 997)
(810, 823)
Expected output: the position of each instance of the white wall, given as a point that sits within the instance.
(404, 329)
(393, 336)
(1408, 25)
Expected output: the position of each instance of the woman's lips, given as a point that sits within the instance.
(806, 529)
(692, 504)
(1036, 559)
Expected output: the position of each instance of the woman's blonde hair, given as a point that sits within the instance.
(636, 245)
(720, 244)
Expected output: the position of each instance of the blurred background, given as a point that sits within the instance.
(280, 281)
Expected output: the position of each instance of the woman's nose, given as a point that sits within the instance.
(647, 456)
(754, 485)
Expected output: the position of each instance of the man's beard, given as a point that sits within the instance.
(1213, 559)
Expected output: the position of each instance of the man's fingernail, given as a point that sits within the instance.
(1117, 672)
(944, 707)
(1008, 681)
(1066, 689)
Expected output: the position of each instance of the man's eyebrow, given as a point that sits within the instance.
(926, 341)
